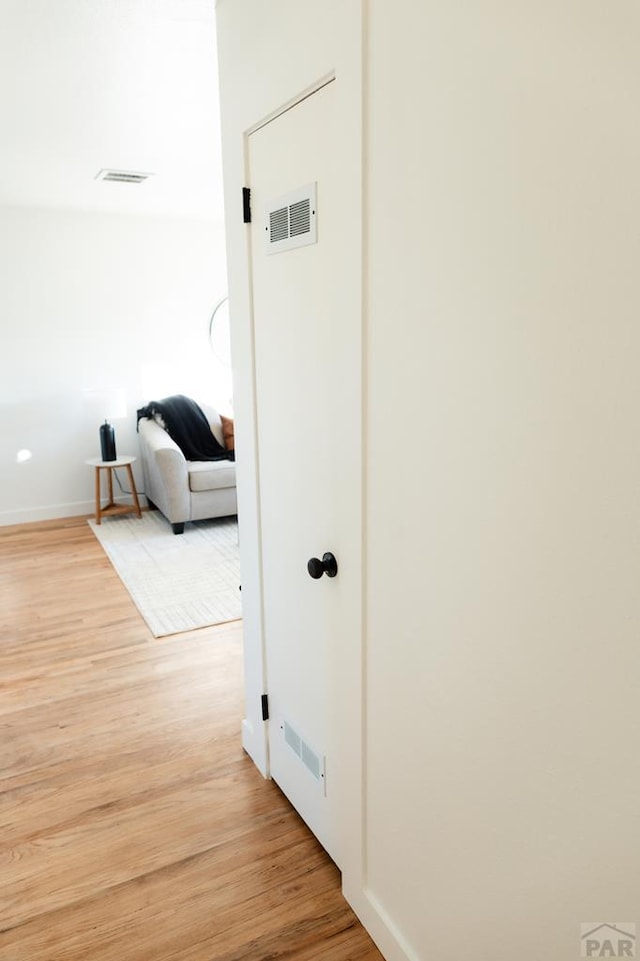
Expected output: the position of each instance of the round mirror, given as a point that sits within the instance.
(220, 332)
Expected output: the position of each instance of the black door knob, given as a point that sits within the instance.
(328, 565)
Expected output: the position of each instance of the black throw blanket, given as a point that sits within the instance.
(188, 426)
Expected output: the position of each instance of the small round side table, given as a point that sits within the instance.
(111, 507)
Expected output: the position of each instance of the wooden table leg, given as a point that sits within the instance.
(98, 495)
(133, 489)
(110, 476)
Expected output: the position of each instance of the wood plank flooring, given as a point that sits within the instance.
(132, 825)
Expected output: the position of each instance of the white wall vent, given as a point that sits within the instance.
(122, 176)
(291, 220)
(314, 762)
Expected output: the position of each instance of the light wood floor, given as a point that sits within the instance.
(132, 826)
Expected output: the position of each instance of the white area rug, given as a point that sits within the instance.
(177, 581)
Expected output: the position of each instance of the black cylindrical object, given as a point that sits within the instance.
(107, 441)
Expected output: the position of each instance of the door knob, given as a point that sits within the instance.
(328, 565)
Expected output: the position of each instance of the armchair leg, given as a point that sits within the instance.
(178, 528)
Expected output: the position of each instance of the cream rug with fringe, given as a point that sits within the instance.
(178, 582)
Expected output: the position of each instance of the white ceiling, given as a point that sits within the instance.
(126, 84)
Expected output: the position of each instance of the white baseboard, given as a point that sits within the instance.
(28, 515)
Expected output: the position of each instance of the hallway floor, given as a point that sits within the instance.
(132, 825)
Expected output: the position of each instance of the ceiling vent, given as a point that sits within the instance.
(122, 176)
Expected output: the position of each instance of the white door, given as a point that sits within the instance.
(308, 359)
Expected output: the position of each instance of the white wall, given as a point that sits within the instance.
(92, 300)
(502, 777)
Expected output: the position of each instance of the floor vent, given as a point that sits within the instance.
(313, 761)
(291, 220)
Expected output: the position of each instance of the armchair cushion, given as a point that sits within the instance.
(228, 432)
(208, 476)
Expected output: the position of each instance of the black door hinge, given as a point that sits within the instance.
(246, 205)
(265, 707)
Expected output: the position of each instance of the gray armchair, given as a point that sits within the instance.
(185, 490)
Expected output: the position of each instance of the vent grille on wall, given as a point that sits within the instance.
(291, 220)
(122, 176)
(278, 225)
(300, 218)
(313, 761)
